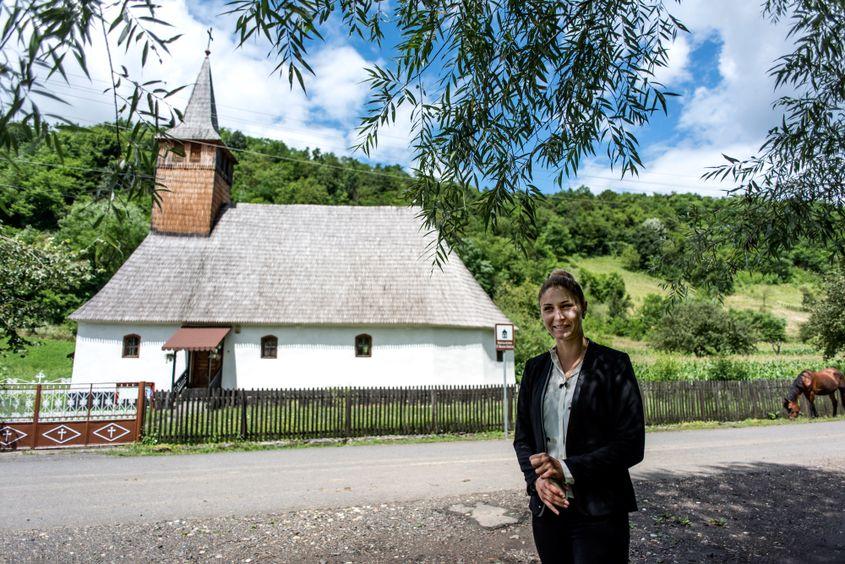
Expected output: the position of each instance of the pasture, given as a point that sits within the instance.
(782, 300)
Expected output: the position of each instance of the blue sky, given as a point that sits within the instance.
(719, 71)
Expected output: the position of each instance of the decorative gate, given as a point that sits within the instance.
(71, 415)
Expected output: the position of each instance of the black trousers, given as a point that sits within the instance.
(580, 539)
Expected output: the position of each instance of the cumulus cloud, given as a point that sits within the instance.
(251, 96)
(730, 115)
(339, 89)
(669, 169)
(739, 107)
(676, 70)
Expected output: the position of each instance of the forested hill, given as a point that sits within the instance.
(44, 196)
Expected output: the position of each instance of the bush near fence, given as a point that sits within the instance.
(196, 416)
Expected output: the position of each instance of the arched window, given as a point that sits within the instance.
(363, 345)
(269, 346)
(131, 346)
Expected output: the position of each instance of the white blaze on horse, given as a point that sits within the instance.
(811, 384)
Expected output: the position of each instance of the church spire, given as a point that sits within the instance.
(199, 121)
(194, 166)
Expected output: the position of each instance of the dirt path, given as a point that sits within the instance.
(753, 513)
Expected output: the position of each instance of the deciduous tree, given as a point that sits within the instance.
(37, 278)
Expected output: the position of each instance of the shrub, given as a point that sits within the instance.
(764, 326)
(723, 368)
(701, 328)
(607, 289)
(630, 257)
(648, 316)
(826, 327)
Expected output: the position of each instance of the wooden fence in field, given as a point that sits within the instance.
(223, 415)
(700, 400)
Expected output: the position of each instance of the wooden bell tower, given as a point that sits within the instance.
(194, 169)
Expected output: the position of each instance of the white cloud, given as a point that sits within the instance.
(677, 68)
(730, 115)
(738, 108)
(338, 90)
(394, 140)
(250, 96)
(670, 169)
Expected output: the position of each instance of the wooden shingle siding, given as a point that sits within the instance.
(187, 200)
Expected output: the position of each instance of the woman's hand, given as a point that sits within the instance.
(547, 467)
(551, 494)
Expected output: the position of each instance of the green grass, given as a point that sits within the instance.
(698, 425)
(158, 449)
(49, 356)
(638, 284)
(783, 300)
(162, 449)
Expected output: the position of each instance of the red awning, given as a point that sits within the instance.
(196, 338)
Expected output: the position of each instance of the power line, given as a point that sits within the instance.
(247, 151)
(293, 131)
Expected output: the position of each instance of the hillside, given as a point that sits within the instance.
(55, 201)
(783, 300)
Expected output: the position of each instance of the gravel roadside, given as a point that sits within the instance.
(758, 513)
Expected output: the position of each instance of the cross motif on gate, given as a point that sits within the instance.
(10, 435)
(61, 434)
(111, 432)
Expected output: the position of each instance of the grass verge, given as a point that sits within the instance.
(147, 449)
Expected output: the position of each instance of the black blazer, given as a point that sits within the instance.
(605, 436)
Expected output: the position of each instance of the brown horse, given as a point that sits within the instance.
(811, 384)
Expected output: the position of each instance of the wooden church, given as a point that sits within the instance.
(280, 296)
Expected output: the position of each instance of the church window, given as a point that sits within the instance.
(131, 346)
(177, 153)
(269, 346)
(196, 151)
(363, 345)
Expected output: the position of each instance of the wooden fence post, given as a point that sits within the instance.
(433, 410)
(348, 414)
(36, 409)
(140, 407)
(243, 415)
(511, 394)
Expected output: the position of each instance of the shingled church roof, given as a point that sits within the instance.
(296, 264)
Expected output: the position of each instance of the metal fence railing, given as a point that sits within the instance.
(53, 415)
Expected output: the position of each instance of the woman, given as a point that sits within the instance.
(579, 428)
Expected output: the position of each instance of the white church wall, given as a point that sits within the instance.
(307, 357)
(313, 357)
(99, 355)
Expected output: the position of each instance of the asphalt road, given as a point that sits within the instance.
(52, 489)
